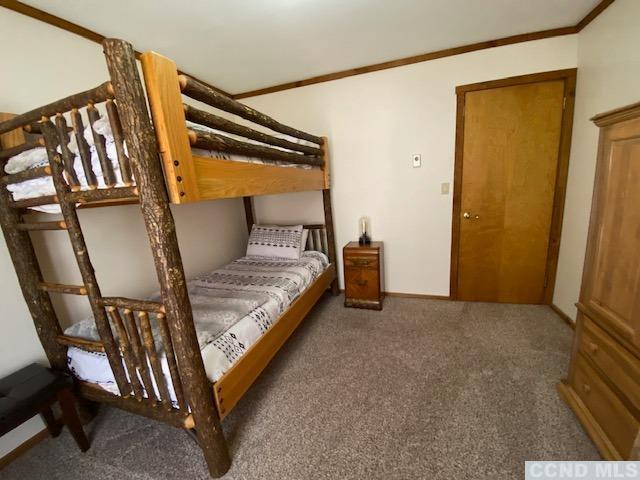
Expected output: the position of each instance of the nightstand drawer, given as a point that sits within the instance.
(612, 416)
(622, 368)
(362, 284)
(363, 275)
(361, 261)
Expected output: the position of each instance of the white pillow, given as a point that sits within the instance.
(275, 241)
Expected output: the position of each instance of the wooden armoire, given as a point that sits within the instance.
(603, 386)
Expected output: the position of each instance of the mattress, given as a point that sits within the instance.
(43, 186)
(232, 308)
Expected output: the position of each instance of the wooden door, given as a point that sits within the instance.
(510, 150)
(611, 280)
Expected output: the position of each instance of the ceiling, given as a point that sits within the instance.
(241, 45)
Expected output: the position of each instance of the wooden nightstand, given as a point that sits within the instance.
(363, 275)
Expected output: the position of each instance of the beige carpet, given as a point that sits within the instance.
(423, 389)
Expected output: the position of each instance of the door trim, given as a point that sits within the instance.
(569, 77)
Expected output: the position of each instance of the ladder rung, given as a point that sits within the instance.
(103, 195)
(60, 225)
(26, 175)
(81, 343)
(35, 201)
(61, 288)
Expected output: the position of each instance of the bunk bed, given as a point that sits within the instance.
(178, 153)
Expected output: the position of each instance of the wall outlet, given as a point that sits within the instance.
(444, 188)
(417, 160)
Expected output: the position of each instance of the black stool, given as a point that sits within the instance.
(33, 390)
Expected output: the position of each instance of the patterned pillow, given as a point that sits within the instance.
(275, 241)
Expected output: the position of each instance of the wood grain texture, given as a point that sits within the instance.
(593, 429)
(81, 343)
(142, 364)
(67, 156)
(603, 385)
(145, 407)
(511, 142)
(608, 411)
(613, 360)
(331, 235)
(165, 100)
(222, 143)
(25, 263)
(562, 176)
(363, 275)
(249, 212)
(62, 288)
(161, 230)
(34, 226)
(79, 100)
(558, 160)
(118, 140)
(219, 178)
(90, 285)
(235, 382)
(29, 174)
(611, 278)
(214, 121)
(198, 91)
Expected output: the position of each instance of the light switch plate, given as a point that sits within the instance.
(417, 160)
(444, 188)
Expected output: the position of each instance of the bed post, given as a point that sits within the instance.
(27, 268)
(141, 144)
(328, 214)
(249, 212)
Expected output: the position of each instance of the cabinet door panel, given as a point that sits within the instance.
(613, 285)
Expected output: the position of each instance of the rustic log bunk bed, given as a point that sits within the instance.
(144, 150)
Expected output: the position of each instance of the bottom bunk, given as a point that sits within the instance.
(243, 313)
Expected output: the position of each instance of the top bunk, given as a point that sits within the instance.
(234, 152)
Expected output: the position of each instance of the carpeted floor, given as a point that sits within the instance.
(423, 389)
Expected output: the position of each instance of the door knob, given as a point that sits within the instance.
(469, 216)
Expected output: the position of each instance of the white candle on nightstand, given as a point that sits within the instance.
(363, 225)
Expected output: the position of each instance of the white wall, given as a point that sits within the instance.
(210, 233)
(608, 73)
(375, 122)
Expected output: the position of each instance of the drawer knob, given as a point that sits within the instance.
(586, 388)
(361, 283)
(593, 348)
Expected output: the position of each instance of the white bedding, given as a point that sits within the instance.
(232, 308)
(37, 157)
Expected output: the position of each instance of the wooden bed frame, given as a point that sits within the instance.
(151, 149)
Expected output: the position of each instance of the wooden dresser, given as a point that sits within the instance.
(363, 275)
(603, 386)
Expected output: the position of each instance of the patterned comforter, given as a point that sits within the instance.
(232, 308)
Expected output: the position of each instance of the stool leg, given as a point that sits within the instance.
(53, 426)
(71, 418)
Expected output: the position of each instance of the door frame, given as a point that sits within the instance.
(569, 77)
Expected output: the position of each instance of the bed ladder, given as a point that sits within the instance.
(173, 315)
